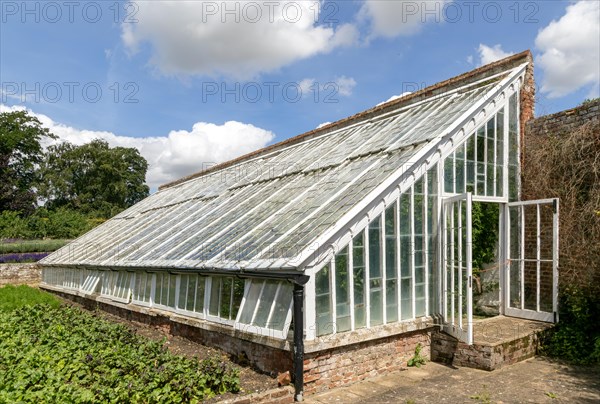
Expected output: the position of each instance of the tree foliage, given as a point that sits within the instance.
(20, 155)
(93, 178)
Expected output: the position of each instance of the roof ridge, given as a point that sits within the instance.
(447, 85)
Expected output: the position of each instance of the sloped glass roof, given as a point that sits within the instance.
(272, 206)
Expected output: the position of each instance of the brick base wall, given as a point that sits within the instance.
(323, 369)
(345, 365)
(447, 349)
(20, 274)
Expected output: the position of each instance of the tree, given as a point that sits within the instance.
(93, 178)
(20, 155)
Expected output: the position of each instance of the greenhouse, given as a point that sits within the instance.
(356, 235)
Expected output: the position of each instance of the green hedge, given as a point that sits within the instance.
(26, 246)
(58, 224)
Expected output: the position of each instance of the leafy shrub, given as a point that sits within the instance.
(55, 224)
(576, 338)
(67, 355)
(417, 360)
(13, 297)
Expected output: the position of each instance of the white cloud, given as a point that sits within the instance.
(306, 86)
(238, 39)
(489, 54)
(177, 154)
(402, 17)
(395, 97)
(570, 48)
(470, 59)
(323, 125)
(345, 85)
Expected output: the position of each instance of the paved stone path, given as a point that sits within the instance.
(536, 380)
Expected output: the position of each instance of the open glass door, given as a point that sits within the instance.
(532, 260)
(457, 310)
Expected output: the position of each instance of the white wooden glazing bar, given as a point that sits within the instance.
(538, 238)
(412, 250)
(398, 260)
(426, 245)
(382, 260)
(351, 283)
(521, 210)
(459, 234)
(469, 270)
(333, 295)
(452, 263)
(367, 277)
(555, 257)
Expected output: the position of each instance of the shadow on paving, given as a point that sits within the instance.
(536, 380)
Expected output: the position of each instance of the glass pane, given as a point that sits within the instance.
(375, 248)
(375, 273)
(266, 301)
(342, 291)
(460, 170)
(183, 286)
(391, 300)
(358, 258)
(282, 307)
(191, 292)
(323, 302)
(226, 285)
(238, 294)
(449, 174)
(406, 298)
(171, 301)
(215, 293)
(251, 302)
(199, 306)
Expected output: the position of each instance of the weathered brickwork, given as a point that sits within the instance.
(565, 121)
(19, 274)
(345, 365)
(485, 356)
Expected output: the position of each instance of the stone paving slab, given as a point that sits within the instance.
(536, 380)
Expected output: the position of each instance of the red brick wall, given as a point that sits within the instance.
(341, 366)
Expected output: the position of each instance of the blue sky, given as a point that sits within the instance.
(198, 82)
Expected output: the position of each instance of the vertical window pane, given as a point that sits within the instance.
(215, 293)
(183, 290)
(238, 294)
(375, 273)
(251, 301)
(342, 291)
(266, 301)
(323, 303)
(358, 259)
(282, 306)
(391, 265)
(406, 251)
(191, 292)
(199, 305)
(226, 284)
(171, 301)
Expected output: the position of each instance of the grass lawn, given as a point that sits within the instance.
(52, 353)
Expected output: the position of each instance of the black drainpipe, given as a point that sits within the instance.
(299, 283)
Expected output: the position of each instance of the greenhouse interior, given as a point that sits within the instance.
(354, 235)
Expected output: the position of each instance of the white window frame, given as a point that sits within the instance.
(264, 331)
